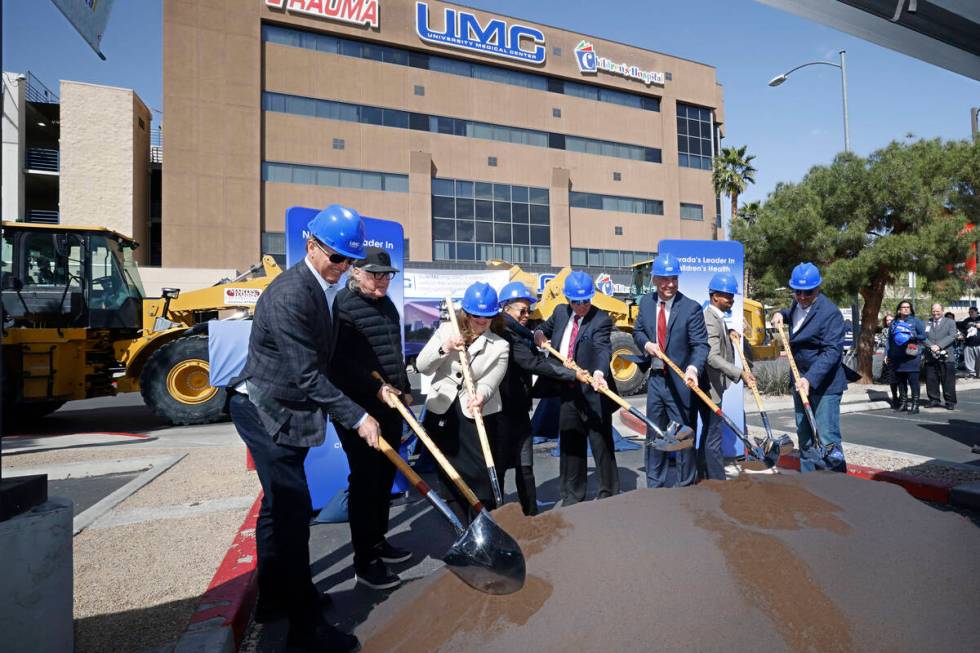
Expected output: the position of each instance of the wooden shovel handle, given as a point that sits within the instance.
(447, 466)
(464, 362)
(606, 391)
(792, 362)
(696, 390)
(737, 343)
(403, 467)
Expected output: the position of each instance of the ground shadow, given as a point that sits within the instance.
(133, 630)
(962, 431)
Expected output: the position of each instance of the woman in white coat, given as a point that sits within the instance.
(449, 408)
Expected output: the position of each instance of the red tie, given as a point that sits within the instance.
(571, 339)
(662, 327)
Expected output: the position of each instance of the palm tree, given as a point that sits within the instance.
(733, 171)
(750, 211)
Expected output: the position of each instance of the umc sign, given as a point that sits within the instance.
(463, 30)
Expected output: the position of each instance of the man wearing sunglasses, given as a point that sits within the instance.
(817, 342)
(514, 443)
(280, 405)
(582, 332)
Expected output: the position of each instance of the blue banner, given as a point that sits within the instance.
(326, 465)
(701, 260)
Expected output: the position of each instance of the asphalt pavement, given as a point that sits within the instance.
(934, 432)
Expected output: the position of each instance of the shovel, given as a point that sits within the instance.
(783, 442)
(820, 456)
(484, 556)
(676, 438)
(770, 457)
(481, 429)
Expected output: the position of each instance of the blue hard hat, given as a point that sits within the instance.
(481, 299)
(805, 276)
(666, 265)
(578, 286)
(901, 333)
(723, 282)
(339, 228)
(513, 291)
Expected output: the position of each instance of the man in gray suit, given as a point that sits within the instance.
(719, 373)
(280, 405)
(940, 370)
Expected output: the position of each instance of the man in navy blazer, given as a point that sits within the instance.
(670, 322)
(582, 332)
(817, 342)
(279, 405)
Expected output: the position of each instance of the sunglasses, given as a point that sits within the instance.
(805, 293)
(335, 258)
(524, 312)
(380, 276)
(580, 302)
(476, 317)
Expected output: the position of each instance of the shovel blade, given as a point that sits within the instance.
(487, 558)
(669, 444)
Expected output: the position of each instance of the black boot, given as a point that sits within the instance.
(903, 403)
(914, 407)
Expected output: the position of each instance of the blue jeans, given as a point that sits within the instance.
(662, 407)
(826, 411)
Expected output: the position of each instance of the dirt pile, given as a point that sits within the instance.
(817, 562)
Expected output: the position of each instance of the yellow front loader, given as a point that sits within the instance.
(76, 325)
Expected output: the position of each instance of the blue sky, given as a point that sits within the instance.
(789, 128)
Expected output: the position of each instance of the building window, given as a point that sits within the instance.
(338, 144)
(607, 258)
(556, 112)
(360, 113)
(694, 136)
(476, 221)
(274, 244)
(619, 231)
(492, 161)
(692, 211)
(391, 55)
(669, 76)
(617, 176)
(556, 51)
(291, 173)
(419, 89)
(142, 124)
(615, 203)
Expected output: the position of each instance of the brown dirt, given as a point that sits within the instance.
(818, 562)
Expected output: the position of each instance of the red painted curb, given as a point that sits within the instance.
(249, 461)
(230, 596)
(920, 488)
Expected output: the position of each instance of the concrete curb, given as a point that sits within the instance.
(223, 611)
(857, 396)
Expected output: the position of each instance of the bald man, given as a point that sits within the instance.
(940, 366)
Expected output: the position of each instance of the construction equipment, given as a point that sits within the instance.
(77, 324)
(675, 437)
(484, 556)
(630, 377)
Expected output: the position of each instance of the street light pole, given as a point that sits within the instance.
(843, 83)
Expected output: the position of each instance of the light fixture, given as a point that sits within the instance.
(777, 80)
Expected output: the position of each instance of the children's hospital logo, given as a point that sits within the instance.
(585, 55)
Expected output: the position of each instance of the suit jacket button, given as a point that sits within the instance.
(459, 375)
(459, 387)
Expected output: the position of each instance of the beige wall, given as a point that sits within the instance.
(104, 157)
(204, 157)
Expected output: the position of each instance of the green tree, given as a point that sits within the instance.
(867, 221)
(750, 211)
(732, 173)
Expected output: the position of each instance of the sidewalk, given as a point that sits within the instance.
(856, 397)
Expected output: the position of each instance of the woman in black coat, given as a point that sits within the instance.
(370, 341)
(904, 353)
(887, 370)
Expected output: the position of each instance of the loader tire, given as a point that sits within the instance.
(630, 380)
(175, 383)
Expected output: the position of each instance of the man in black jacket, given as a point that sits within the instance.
(582, 332)
(513, 448)
(370, 342)
(280, 405)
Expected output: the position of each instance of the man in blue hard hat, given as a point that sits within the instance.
(720, 371)
(674, 324)
(817, 342)
(582, 332)
(514, 442)
(280, 405)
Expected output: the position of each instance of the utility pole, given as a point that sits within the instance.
(974, 111)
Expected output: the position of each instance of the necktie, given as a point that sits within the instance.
(662, 326)
(571, 340)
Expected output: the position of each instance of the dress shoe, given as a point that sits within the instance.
(949, 406)
(324, 639)
(933, 404)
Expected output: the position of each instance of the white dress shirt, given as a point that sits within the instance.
(799, 315)
(566, 336)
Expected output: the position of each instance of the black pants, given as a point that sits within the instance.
(514, 449)
(908, 380)
(282, 532)
(456, 436)
(369, 487)
(580, 429)
(711, 461)
(941, 373)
